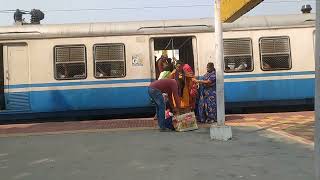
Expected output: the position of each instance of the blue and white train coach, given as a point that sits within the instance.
(87, 68)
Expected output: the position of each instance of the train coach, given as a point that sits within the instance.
(93, 68)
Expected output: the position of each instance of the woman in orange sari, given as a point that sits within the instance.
(183, 74)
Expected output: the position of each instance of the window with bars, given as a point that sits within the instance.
(70, 62)
(275, 53)
(238, 55)
(109, 60)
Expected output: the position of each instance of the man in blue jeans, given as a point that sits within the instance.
(156, 89)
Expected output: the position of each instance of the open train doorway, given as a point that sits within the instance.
(175, 48)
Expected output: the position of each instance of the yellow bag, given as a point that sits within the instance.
(185, 122)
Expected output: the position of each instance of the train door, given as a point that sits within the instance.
(176, 48)
(16, 72)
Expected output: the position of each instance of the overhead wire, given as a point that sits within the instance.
(152, 7)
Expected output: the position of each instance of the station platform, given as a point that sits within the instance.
(295, 125)
(139, 152)
(135, 150)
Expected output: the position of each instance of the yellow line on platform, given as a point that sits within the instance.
(282, 133)
(293, 137)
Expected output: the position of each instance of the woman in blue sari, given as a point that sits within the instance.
(206, 105)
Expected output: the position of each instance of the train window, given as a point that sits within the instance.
(109, 60)
(238, 55)
(275, 53)
(70, 62)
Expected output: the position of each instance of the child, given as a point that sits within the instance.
(168, 112)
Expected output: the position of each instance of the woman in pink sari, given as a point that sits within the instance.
(183, 74)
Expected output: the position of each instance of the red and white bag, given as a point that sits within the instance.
(185, 122)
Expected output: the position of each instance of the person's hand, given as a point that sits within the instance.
(172, 74)
(189, 74)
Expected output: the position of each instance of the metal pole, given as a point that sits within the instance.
(317, 96)
(219, 63)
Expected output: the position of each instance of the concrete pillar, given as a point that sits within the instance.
(219, 131)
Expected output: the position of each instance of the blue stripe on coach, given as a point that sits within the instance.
(268, 90)
(269, 74)
(106, 99)
(130, 97)
(84, 82)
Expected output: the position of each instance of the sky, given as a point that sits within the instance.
(83, 11)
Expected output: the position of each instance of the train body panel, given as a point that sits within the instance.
(32, 80)
(259, 85)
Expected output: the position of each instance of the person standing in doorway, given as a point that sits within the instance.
(183, 74)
